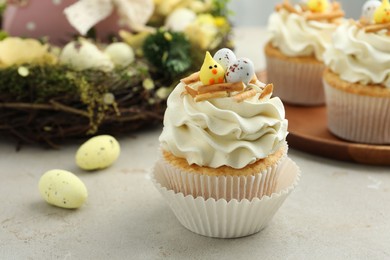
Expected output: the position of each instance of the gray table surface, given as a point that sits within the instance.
(338, 211)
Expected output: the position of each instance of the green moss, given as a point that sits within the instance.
(3, 34)
(46, 82)
(169, 52)
(83, 90)
(41, 83)
(2, 8)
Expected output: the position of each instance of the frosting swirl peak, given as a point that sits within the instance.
(360, 57)
(295, 36)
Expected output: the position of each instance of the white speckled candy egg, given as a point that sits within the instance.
(98, 152)
(241, 70)
(120, 53)
(62, 189)
(225, 57)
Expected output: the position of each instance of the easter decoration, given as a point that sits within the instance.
(62, 189)
(316, 10)
(98, 152)
(375, 17)
(382, 13)
(108, 72)
(225, 76)
(211, 72)
(368, 11)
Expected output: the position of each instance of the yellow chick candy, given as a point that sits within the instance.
(318, 6)
(211, 72)
(382, 13)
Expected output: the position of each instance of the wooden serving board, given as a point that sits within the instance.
(308, 132)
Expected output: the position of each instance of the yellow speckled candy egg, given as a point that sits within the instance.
(98, 152)
(62, 189)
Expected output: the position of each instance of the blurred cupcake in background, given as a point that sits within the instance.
(357, 78)
(299, 35)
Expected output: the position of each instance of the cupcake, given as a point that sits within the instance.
(224, 166)
(357, 78)
(299, 36)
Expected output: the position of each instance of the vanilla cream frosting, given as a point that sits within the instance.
(222, 131)
(295, 36)
(360, 57)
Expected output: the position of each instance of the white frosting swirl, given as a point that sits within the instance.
(360, 57)
(222, 131)
(295, 36)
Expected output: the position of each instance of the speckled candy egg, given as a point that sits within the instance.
(369, 8)
(241, 70)
(120, 53)
(98, 152)
(225, 57)
(62, 189)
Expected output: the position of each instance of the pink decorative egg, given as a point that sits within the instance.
(45, 18)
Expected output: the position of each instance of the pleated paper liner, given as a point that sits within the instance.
(228, 219)
(298, 83)
(358, 118)
(217, 187)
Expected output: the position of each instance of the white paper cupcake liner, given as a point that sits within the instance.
(223, 219)
(296, 83)
(217, 187)
(358, 118)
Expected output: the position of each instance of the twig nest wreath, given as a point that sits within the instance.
(108, 72)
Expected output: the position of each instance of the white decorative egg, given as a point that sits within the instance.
(62, 189)
(225, 57)
(241, 70)
(179, 19)
(98, 152)
(369, 8)
(82, 55)
(120, 53)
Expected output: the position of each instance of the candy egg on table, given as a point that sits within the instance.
(369, 8)
(98, 152)
(225, 57)
(62, 189)
(241, 70)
